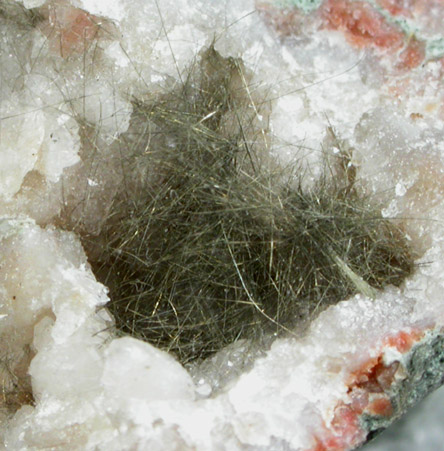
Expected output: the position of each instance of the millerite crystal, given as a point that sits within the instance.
(211, 243)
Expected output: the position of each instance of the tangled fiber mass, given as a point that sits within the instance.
(209, 241)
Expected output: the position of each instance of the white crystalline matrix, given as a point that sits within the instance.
(70, 74)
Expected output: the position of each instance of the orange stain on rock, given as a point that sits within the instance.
(344, 432)
(412, 55)
(285, 22)
(368, 393)
(380, 406)
(397, 7)
(346, 425)
(362, 25)
(403, 341)
(69, 30)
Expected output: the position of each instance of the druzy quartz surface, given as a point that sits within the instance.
(360, 77)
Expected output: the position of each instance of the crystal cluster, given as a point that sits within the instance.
(69, 72)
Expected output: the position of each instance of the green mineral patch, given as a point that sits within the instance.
(304, 5)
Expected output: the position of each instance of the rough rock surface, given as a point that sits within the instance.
(370, 70)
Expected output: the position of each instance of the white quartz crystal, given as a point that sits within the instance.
(33, 3)
(60, 147)
(19, 145)
(148, 374)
